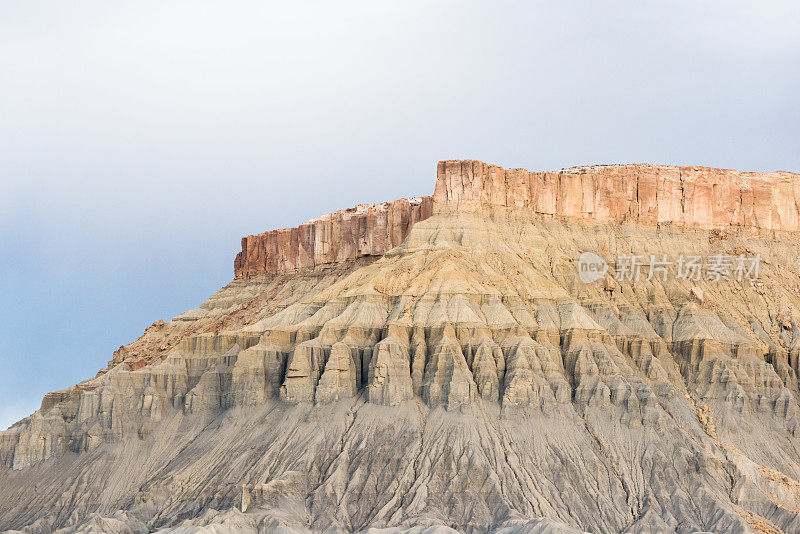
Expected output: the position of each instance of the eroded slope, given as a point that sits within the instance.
(467, 378)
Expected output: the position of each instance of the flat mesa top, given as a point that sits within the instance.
(702, 197)
(644, 194)
(688, 170)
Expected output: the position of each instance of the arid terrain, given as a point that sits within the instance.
(437, 363)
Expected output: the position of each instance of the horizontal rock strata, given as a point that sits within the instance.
(366, 230)
(701, 197)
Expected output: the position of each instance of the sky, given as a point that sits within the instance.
(140, 140)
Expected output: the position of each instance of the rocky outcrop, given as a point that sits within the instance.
(701, 197)
(366, 230)
(466, 377)
(694, 196)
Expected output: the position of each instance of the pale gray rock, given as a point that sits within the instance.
(389, 373)
(341, 378)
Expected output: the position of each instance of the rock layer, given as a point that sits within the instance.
(466, 377)
(366, 230)
(701, 197)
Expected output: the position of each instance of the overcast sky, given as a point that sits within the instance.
(140, 140)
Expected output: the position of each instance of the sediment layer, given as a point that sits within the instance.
(701, 197)
(366, 230)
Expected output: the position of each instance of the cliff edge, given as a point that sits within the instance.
(701, 197)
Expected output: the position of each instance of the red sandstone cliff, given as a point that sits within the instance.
(650, 194)
(700, 197)
(366, 230)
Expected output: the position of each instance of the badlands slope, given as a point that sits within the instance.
(436, 363)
